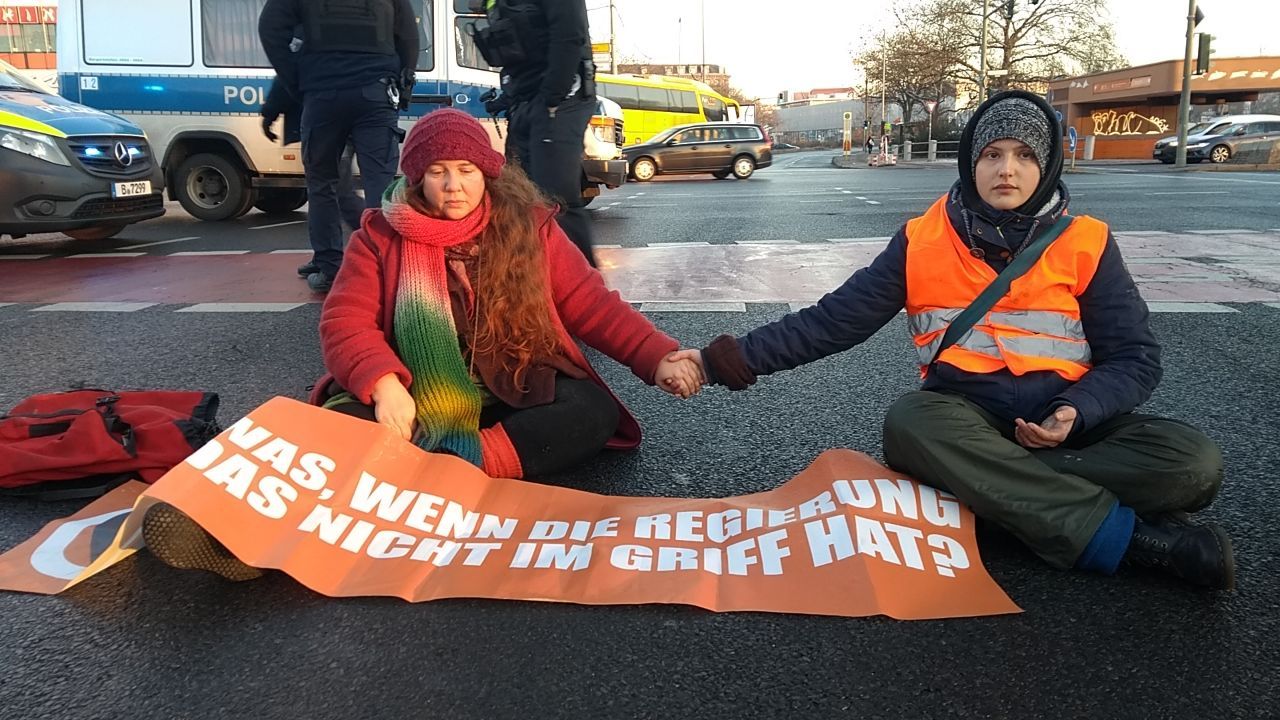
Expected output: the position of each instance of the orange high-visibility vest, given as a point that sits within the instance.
(1035, 326)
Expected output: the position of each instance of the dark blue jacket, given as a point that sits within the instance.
(1126, 356)
(306, 71)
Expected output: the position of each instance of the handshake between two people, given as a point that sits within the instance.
(681, 373)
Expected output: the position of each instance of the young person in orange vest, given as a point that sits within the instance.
(455, 322)
(1026, 411)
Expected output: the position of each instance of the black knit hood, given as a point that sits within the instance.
(1050, 177)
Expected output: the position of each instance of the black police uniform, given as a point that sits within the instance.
(548, 79)
(353, 75)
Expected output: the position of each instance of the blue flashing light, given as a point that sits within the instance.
(153, 88)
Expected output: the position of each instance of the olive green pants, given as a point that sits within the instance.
(1051, 499)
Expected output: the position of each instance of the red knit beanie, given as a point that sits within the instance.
(448, 134)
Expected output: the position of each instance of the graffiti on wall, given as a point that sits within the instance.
(1110, 122)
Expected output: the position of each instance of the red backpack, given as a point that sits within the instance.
(82, 443)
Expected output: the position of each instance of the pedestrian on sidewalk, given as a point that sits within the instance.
(1027, 414)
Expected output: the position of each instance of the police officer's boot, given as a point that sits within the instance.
(1199, 554)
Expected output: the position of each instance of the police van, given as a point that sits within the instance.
(193, 75)
(68, 168)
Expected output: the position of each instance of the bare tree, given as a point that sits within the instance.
(1039, 42)
(917, 62)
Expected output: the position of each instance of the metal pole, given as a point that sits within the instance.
(679, 39)
(884, 70)
(982, 54)
(613, 40)
(1184, 103)
(866, 112)
(704, 40)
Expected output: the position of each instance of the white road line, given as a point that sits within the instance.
(1275, 305)
(197, 253)
(1188, 192)
(107, 255)
(768, 242)
(22, 257)
(607, 247)
(859, 197)
(93, 307)
(680, 244)
(1217, 179)
(1223, 232)
(850, 192)
(814, 202)
(1141, 232)
(158, 242)
(601, 209)
(290, 251)
(276, 225)
(654, 205)
(860, 241)
(649, 307)
(247, 307)
(873, 202)
(1189, 307)
(6, 304)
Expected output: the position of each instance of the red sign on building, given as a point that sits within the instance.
(29, 14)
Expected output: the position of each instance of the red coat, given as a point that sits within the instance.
(356, 324)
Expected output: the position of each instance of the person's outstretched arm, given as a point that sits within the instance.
(843, 318)
(1126, 355)
(599, 316)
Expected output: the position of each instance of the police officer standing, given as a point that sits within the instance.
(548, 84)
(353, 74)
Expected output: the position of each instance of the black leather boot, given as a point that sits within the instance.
(1199, 554)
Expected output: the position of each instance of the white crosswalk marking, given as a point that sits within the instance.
(199, 253)
(108, 255)
(650, 307)
(94, 307)
(247, 307)
(22, 257)
(1188, 307)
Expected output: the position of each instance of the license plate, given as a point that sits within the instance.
(131, 189)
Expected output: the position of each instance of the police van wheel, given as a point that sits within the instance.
(279, 201)
(97, 232)
(211, 187)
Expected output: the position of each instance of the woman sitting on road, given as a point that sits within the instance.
(452, 322)
(454, 317)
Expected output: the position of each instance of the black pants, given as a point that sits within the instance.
(549, 149)
(1052, 499)
(548, 438)
(330, 119)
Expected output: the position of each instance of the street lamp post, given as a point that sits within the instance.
(1184, 101)
(982, 54)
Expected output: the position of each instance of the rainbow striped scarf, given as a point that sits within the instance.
(448, 402)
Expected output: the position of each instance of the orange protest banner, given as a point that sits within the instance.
(348, 509)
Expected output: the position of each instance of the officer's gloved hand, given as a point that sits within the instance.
(269, 119)
(408, 78)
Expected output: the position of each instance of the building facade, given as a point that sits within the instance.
(1126, 111)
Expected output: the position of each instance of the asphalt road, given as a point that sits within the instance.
(143, 640)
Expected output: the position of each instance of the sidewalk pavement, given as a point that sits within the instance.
(859, 160)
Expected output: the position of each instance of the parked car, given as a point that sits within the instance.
(1216, 140)
(719, 148)
(68, 168)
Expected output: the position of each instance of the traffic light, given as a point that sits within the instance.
(1202, 56)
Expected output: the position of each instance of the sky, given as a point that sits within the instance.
(768, 46)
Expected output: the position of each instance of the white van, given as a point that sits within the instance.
(192, 74)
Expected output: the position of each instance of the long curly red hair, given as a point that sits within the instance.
(514, 322)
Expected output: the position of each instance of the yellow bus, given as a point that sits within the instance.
(653, 103)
